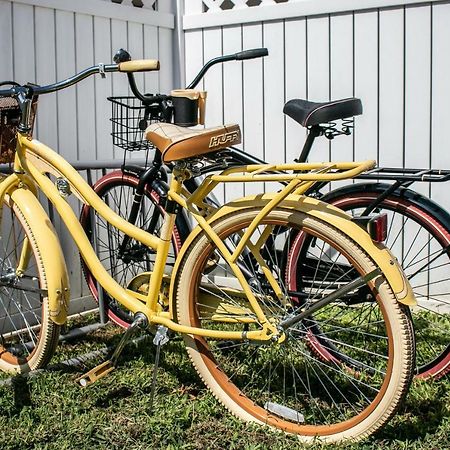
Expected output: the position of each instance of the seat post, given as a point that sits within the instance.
(314, 131)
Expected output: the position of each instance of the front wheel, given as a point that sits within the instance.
(28, 337)
(286, 385)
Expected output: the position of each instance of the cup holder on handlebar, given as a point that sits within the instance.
(188, 107)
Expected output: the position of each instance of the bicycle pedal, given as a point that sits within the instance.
(95, 374)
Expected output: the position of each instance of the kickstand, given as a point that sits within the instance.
(159, 340)
(140, 321)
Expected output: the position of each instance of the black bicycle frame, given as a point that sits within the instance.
(236, 157)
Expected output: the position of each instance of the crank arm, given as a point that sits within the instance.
(43, 292)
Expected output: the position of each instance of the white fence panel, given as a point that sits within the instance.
(341, 73)
(365, 81)
(440, 94)
(232, 95)
(296, 81)
(46, 73)
(253, 98)
(102, 51)
(42, 41)
(318, 51)
(393, 54)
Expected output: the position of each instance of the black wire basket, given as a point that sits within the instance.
(129, 119)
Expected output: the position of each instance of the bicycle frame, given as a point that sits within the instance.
(35, 160)
(27, 151)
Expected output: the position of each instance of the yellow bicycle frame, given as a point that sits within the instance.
(35, 160)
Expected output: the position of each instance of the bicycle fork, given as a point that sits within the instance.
(145, 179)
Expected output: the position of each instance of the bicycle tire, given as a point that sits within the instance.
(250, 379)
(117, 189)
(28, 337)
(427, 221)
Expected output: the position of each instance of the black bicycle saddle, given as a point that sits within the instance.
(311, 113)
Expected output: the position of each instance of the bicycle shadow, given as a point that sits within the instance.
(408, 424)
(183, 371)
(20, 387)
(185, 375)
(428, 407)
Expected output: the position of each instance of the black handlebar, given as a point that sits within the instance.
(121, 56)
(39, 90)
(251, 54)
(246, 54)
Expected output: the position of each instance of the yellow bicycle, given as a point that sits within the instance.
(228, 292)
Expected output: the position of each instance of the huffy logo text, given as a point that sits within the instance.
(227, 138)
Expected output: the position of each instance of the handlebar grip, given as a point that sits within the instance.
(139, 65)
(253, 53)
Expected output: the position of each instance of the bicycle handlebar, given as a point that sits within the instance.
(126, 67)
(251, 54)
(123, 55)
(240, 56)
(139, 65)
(99, 68)
(133, 66)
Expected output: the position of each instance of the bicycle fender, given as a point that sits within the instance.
(335, 217)
(416, 198)
(53, 259)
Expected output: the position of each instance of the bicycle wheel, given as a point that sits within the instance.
(286, 386)
(28, 336)
(117, 189)
(419, 236)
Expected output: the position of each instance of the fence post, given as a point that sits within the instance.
(100, 292)
(178, 50)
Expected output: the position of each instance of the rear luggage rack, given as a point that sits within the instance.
(405, 174)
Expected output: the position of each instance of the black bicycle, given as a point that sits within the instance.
(417, 231)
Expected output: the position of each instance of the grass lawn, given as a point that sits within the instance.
(49, 411)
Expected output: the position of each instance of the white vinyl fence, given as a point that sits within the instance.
(43, 41)
(394, 55)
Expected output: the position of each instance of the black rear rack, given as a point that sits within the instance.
(405, 175)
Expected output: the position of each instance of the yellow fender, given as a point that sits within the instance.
(327, 213)
(53, 258)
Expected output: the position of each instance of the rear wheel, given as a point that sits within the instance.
(285, 385)
(28, 337)
(421, 243)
